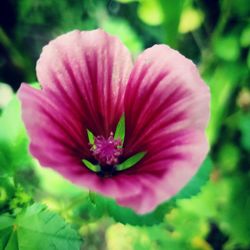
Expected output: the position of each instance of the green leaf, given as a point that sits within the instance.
(240, 9)
(150, 12)
(248, 59)
(172, 12)
(120, 129)
(244, 125)
(227, 48)
(126, 1)
(245, 37)
(6, 191)
(191, 19)
(228, 157)
(103, 205)
(37, 228)
(14, 141)
(130, 162)
(6, 221)
(14, 153)
(13, 242)
(128, 216)
(236, 211)
(6, 94)
(10, 122)
(222, 82)
(92, 167)
(6, 232)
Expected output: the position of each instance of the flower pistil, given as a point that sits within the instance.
(106, 150)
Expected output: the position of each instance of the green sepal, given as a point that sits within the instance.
(130, 162)
(90, 166)
(36, 85)
(120, 129)
(91, 137)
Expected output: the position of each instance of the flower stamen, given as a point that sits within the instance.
(106, 150)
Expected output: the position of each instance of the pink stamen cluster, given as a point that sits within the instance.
(107, 150)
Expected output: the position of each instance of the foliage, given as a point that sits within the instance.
(36, 228)
(211, 212)
(13, 140)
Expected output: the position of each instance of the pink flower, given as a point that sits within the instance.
(88, 82)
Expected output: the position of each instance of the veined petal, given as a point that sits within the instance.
(165, 174)
(83, 76)
(166, 113)
(55, 137)
(87, 72)
(59, 142)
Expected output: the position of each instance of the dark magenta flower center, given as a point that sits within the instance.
(107, 150)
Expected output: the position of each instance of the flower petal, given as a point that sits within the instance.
(166, 113)
(83, 76)
(87, 71)
(160, 178)
(54, 135)
(58, 141)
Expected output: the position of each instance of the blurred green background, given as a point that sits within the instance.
(216, 36)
